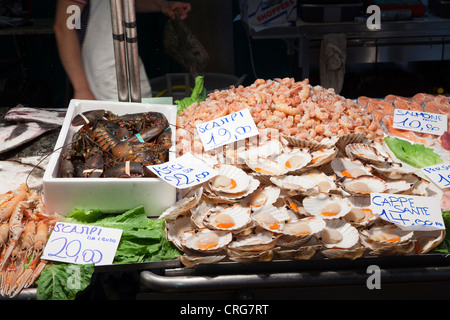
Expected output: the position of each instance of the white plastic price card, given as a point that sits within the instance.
(82, 244)
(419, 121)
(230, 128)
(408, 212)
(184, 172)
(439, 174)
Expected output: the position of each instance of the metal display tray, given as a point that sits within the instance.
(294, 274)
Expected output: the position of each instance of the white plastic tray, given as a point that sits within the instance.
(62, 195)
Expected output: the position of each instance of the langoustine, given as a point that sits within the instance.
(24, 230)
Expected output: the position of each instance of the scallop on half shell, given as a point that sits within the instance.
(352, 168)
(271, 218)
(206, 240)
(362, 185)
(229, 180)
(294, 161)
(327, 206)
(367, 153)
(387, 238)
(339, 234)
(231, 218)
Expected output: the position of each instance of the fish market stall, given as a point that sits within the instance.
(289, 210)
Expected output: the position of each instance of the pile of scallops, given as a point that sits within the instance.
(293, 199)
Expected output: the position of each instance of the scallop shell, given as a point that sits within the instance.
(295, 206)
(230, 179)
(303, 250)
(425, 241)
(387, 239)
(247, 257)
(360, 214)
(230, 218)
(327, 206)
(322, 156)
(267, 149)
(260, 240)
(393, 170)
(271, 218)
(190, 261)
(302, 143)
(175, 229)
(227, 197)
(206, 240)
(351, 253)
(201, 210)
(182, 206)
(362, 185)
(339, 234)
(386, 234)
(262, 196)
(294, 161)
(266, 166)
(308, 183)
(420, 186)
(366, 153)
(346, 167)
(346, 139)
(398, 186)
(304, 227)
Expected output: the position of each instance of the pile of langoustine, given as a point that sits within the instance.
(24, 231)
(301, 110)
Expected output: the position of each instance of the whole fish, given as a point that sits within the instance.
(16, 135)
(28, 114)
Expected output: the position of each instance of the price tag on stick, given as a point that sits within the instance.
(228, 129)
(82, 244)
(419, 121)
(408, 212)
(184, 172)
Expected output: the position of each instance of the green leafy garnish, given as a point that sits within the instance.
(416, 155)
(444, 246)
(62, 281)
(143, 240)
(198, 94)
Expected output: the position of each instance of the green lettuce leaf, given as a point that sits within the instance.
(416, 155)
(62, 281)
(198, 94)
(143, 240)
(444, 246)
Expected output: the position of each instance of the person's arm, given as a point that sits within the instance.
(70, 51)
(169, 8)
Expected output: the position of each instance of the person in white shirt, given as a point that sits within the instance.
(87, 54)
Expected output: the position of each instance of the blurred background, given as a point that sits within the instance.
(31, 72)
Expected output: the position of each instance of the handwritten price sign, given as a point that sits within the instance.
(82, 244)
(409, 212)
(184, 172)
(439, 173)
(418, 121)
(227, 129)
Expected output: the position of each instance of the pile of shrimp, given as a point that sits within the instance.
(294, 108)
(24, 229)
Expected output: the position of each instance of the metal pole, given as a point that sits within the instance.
(119, 50)
(132, 50)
